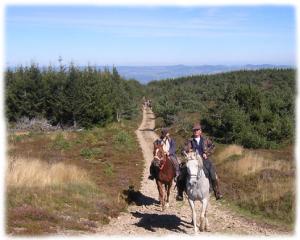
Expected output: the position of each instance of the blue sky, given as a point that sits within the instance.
(150, 35)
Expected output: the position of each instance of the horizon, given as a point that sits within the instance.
(146, 74)
(150, 36)
(173, 65)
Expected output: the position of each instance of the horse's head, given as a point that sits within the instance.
(158, 151)
(194, 163)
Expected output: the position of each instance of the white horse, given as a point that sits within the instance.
(197, 188)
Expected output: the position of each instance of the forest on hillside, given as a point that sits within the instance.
(255, 109)
(70, 96)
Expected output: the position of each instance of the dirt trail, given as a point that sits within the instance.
(146, 217)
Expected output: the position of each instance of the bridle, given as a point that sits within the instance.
(194, 176)
(160, 159)
(156, 155)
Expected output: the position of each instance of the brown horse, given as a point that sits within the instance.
(165, 174)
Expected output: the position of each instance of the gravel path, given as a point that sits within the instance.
(146, 217)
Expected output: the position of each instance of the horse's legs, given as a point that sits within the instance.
(206, 227)
(161, 194)
(192, 205)
(203, 214)
(166, 195)
(168, 190)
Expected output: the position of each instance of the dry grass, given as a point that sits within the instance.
(261, 181)
(37, 173)
(231, 150)
(245, 162)
(56, 176)
(275, 190)
(20, 133)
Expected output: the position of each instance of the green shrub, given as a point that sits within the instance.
(61, 143)
(109, 169)
(90, 153)
(16, 138)
(123, 139)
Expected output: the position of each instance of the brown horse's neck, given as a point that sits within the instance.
(167, 173)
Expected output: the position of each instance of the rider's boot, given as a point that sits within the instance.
(180, 188)
(152, 172)
(151, 177)
(179, 196)
(216, 188)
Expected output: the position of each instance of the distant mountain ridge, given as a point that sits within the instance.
(145, 74)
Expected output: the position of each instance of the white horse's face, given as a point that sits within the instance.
(194, 162)
(192, 167)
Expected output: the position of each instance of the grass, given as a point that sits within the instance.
(258, 217)
(123, 140)
(259, 181)
(51, 209)
(40, 195)
(60, 143)
(90, 153)
(75, 181)
(109, 169)
(35, 173)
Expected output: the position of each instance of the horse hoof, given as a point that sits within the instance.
(167, 205)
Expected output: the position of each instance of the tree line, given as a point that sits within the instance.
(253, 108)
(69, 95)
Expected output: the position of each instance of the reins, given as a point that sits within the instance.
(160, 159)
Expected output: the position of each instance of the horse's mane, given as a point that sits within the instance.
(193, 155)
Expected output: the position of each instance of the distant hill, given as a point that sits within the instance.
(145, 74)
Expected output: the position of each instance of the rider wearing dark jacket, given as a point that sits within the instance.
(204, 148)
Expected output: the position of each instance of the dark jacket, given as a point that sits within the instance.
(205, 146)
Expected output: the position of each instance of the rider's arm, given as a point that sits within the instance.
(172, 150)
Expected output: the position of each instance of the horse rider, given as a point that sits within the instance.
(169, 148)
(204, 147)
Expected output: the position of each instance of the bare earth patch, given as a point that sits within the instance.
(145, 216)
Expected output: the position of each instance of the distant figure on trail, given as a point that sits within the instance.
(204, 147)
(147, 103)
(150, 104)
